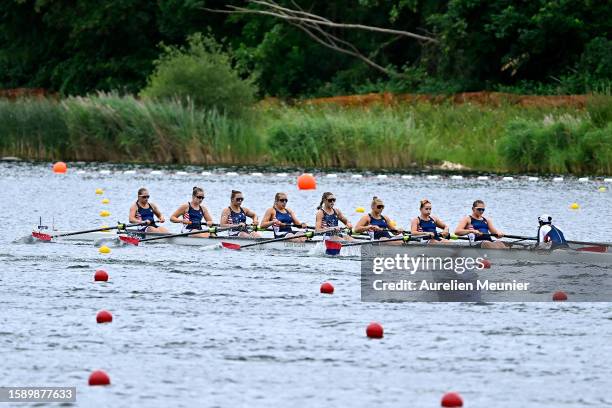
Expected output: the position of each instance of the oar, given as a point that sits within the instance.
(569, 242)
(307, 234)
(334, 247)
(136, 241)
(48, 237)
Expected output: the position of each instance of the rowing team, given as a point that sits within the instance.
(194, 215)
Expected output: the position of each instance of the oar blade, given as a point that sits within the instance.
(593, 249)
(231, 245)
(332, 247)
(129, 240)
(42, 236)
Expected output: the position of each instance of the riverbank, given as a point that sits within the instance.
(503, 138)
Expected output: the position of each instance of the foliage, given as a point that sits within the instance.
(538, 46)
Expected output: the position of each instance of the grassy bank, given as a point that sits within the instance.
(506, 138)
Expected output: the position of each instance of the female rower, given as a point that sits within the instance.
(427, 223)
(194, 214)
(376, 224)
(328, 217)
(281, 218)
(236, 215)
(144, 211)
(478, 228)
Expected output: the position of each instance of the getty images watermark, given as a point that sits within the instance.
(450, 274)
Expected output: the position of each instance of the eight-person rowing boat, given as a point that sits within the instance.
(285, 230)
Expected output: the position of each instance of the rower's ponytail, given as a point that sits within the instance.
(323, 198)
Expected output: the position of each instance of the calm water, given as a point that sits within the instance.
(216, 328)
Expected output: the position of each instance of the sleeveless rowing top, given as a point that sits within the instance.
(145, 214)
(330, 221)
(382, 223)
(285, 218)
(429, 226)
(195, 216)
(482, 226)
(556, 237)
(236, 218)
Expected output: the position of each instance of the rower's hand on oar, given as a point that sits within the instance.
(499, 234)
(277, 223)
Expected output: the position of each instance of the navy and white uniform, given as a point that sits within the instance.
(196, 217)
(549, 233)
(429, 226)
(145, 214)
(382, 223)
(482, 226)
(285, 218)
(236, 218)
(329, 221)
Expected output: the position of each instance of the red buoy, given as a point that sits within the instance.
(559, 296)
(60, 167)
(306, 182)
(99, 377)
(327, 288)
(374, 331)
(452, 399)
(486, 263)
(104, 316)
(100, 276)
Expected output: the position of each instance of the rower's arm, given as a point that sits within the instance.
(344, 220)
(266, 221)
(208, 217)
(494, 230)
(132, 217)
(295, 219)
(362, 225)
(223, 221)
(414, 226)
(178, 216)
(319, 221)
(252, 215)
(462, 227)
(157, 213)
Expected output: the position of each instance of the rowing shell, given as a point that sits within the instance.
(316, 246)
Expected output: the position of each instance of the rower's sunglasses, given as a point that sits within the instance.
(200, 197)
(480, 209)
(283, 200)
(240, 199)
(144, 196)
(331, 200)
(380, 207)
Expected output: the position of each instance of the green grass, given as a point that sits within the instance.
(107, 127)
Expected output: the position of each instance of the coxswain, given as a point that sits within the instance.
(549, 236)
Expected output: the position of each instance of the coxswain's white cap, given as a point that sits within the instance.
(545, 218)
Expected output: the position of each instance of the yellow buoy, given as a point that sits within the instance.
(104, 249)
(105, 201)
(574, 206)
(359, 209)
(99, 191)
(602, 189)
(104, 213)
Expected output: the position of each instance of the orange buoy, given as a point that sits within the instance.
(306, 182)
(100, 276)
(374, 331)
(99, 377)
(104, 316)
(559, 296)
(452, 399)
(486, 264)
(60, 167)
(327, 288)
